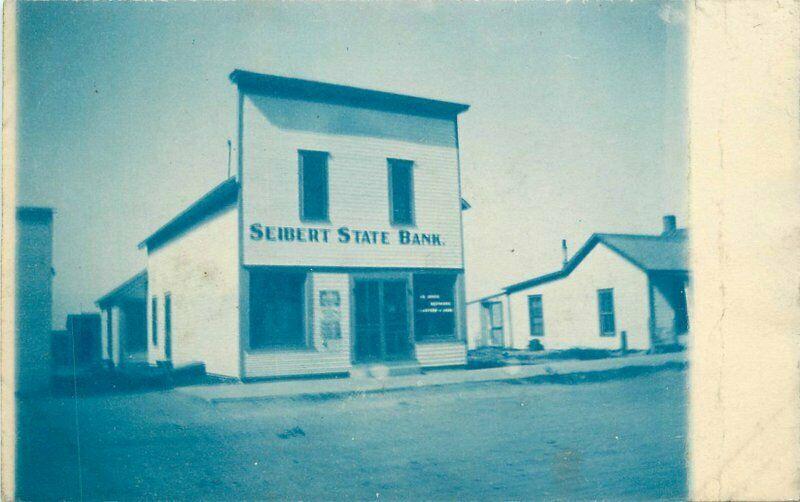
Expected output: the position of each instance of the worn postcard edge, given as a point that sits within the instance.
(744, 416)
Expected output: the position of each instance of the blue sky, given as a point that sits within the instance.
(576, 125)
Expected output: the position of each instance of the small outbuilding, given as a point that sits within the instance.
(619, 291)
(123, 339)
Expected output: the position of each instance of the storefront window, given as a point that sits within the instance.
(434, 307)
(277, 309)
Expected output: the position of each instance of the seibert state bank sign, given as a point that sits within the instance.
(342, 235)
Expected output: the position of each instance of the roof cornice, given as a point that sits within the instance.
(309, 90)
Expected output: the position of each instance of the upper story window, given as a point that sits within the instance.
(313, 185)
(605, 301)
(401, 192)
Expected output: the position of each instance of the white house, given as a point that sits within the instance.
(618, 291)
(338, 242)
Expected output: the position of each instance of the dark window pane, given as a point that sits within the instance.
(434, 307)
(109, 328)
(681, 313)
(314, 185)
(277, 309)
(167, 326)
(167, 315)
(605, 300)
(154, 320)
(535, 313)
(401, 191)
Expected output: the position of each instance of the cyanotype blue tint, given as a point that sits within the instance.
(268, 216)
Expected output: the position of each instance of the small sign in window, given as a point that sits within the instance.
(330, 316)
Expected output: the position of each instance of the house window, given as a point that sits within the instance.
(313, 185)
(154, 320)
(605, 301)
(277, 310)
(536, 315)
(434, 307)
(401, 192)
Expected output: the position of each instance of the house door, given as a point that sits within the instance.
(381, 320)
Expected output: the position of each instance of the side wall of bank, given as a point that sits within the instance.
(199, 269)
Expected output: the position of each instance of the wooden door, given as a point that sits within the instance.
(367, 320)
(381, 320)
(395, 319)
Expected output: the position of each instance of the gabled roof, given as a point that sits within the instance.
(217, 198)
(650, 253)
(309, 90)
(133, 288)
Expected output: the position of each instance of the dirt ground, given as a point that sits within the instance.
(619, 439)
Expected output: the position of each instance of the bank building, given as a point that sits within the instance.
(336, 243)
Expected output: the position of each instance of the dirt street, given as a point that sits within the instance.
(620, 439)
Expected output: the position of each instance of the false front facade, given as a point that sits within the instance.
(337, 242)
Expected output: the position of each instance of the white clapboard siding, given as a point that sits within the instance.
(293, 363)
(474, 327)
(200, 269)
(359, 142)
(570, 306)
(441, 354)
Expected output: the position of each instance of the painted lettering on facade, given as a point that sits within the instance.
(342, 235)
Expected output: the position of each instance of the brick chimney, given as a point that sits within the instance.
(670, 224)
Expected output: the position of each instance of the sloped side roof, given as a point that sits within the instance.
(485, 298)
(217, 198)
(651, 253)
(134, 288)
